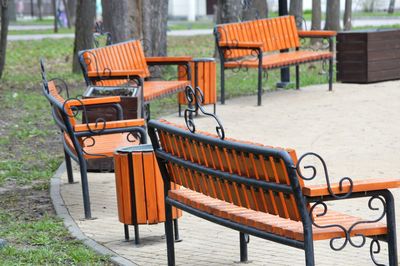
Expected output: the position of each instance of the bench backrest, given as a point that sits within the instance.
(126, 56)
(274, 33)
(228, 169)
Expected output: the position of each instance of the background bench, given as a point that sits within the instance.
(120, 63)
(257, 190)
(243, 44)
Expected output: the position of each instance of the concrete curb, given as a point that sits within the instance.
(72, 227)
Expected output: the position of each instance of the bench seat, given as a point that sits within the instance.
(107, 144)
(157, 89)
(272, 61)
(273, 223)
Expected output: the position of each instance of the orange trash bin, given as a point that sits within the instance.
(203, 76)
(140, 189)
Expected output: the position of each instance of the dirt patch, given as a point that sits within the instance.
(29, 203)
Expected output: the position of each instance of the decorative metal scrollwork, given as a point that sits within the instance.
(195, 97)
(314, 174)
(348, 239)
(98, 32)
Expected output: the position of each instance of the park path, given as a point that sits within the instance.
(356, 23)
(354, 128)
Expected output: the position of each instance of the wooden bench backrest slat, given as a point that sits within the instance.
(122, 56)
(274, 33)
(240, 162)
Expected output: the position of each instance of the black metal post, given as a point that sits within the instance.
(244, 239)
(285, 73)
(176, 231)
(126, 232)
(391, 227)
(330, 64)
(69, 167)
(137, 238)
(85, 189)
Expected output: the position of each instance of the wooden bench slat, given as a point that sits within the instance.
(359, 185)
(273, 223)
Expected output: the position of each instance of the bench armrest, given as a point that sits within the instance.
(93, 101)
(168, 59)
(115, 73)
(362, 185)
(241, 45)
(109, 125)
(316, 33)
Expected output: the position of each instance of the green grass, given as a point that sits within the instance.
(45, 21)
(41, 31)
(43, 241)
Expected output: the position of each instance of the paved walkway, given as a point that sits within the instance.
(356, 23)
(355, 128)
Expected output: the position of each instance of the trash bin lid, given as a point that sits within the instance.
(135, 148)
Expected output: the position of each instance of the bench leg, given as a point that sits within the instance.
(176, 231)
(244, 239)
(69, 167)
(215, 109)
(330, 79)
(309, 248)
(85, 190)
(222, 83)
(259, 90)
(297, 77)
(391, 227)
(169, 233)
(137, 238)
(179, 110)
(126, 232)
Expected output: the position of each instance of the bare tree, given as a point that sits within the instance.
(255, 9)
(71, 5)
(3, 35)
(85, 16)
(12, 11)
(54, 5)
(391, 6)
(40, 5)
(67, 13)
(228, 11)
(333, 15)
(154, 27)
(115, 19)
(347, 15)
(296, 9)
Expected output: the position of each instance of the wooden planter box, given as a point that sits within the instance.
(131, 107)
(368, 55)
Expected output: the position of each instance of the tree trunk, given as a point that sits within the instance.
(3, 35)
(54, 5)
(347, 15)
(316, 19)
(154, 27)
(71, 5)
(333, 15)
(255, 10)
(67, 14)
(12, 11)
(39, 5)
(228, 11)
(296, 9)
(391, 6)
(117, 19)
(85, 16)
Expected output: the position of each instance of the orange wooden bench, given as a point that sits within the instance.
(260, 191)
(254, 44)
(120, 63)
(83, 141)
